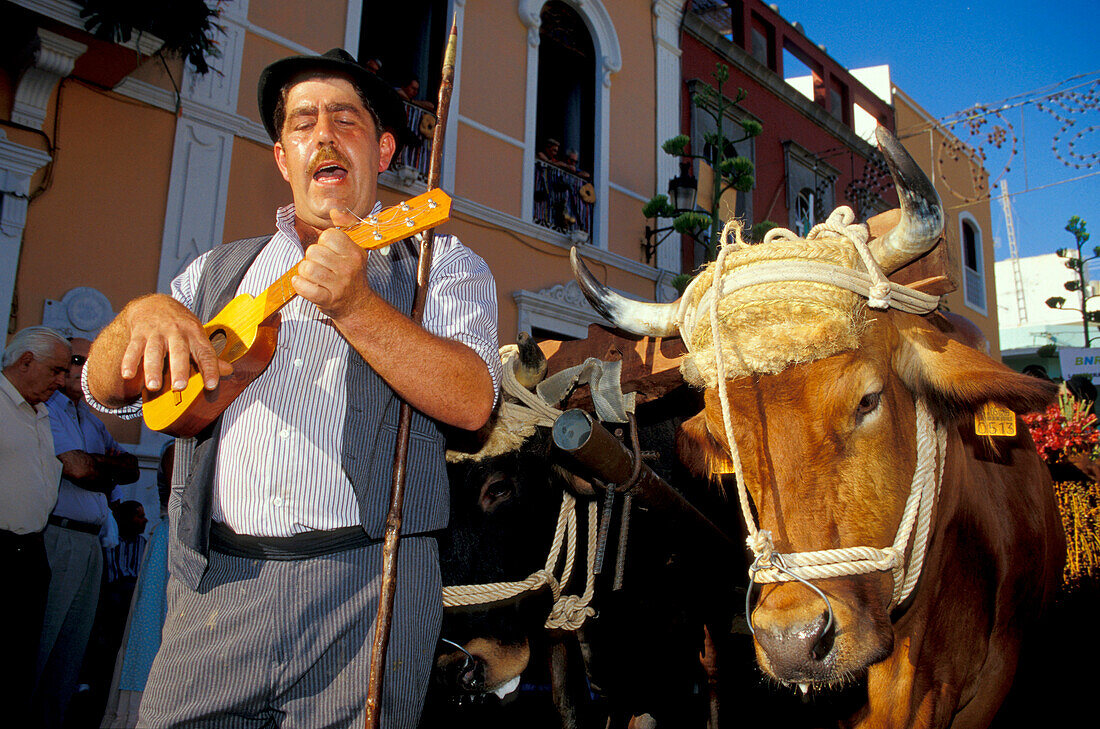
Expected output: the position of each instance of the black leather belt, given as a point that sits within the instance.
(79, 526)
(299, 546)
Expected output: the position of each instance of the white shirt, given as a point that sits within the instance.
(29, 471)
(279, 466)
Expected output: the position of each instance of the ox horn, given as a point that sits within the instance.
(530, 367)
(636, 317)
(921, 221)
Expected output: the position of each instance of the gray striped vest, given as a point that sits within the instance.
(370, 427)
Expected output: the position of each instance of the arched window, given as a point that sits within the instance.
(564, 194)
(973, 264)
(591, 127)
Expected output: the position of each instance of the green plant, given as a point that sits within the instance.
(1076, 263)
(188, 27)
(731, 172)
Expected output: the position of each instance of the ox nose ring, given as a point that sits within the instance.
(776, 560)
(467, 662)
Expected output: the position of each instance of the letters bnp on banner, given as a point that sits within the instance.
(1080, 361)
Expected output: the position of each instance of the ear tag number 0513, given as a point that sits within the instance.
(995, 420)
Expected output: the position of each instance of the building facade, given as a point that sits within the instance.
(121, 167)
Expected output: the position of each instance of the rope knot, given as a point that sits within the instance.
(879, 296)
(760, 542)
(569, 612)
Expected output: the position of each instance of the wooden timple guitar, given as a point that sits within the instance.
(245, 332)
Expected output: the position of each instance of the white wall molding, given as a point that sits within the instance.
(628, 192)
(195, 217)
(526, 228)
(561, 309)
(82, 312)
(17, 165)
(492, 132)
(666, 34)
(53, 60)
(68, 13)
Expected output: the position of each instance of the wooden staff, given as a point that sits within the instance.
(384, 620)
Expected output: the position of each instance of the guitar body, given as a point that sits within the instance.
(249, 347)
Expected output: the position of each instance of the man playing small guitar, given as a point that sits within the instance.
(279, 504)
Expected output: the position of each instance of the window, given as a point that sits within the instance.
(725, 16)
(564, 194)
(970, 240)
(408, 39)
(810, 191)
(590, 124)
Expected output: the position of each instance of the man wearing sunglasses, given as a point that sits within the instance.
(93, 465)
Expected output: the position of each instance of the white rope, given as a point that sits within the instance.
(770, 566)
(569, 611)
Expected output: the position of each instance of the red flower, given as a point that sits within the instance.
(1063, 430)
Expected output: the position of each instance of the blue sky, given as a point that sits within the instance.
(949, 56)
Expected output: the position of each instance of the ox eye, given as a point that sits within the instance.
(497, 489)
(868, 404)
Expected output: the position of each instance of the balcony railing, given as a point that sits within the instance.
(417, 152)
(563, 200)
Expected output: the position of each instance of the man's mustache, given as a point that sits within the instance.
(327, 154)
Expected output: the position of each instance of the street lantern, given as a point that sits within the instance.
(683, 189)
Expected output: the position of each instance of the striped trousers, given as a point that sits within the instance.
(287, 644)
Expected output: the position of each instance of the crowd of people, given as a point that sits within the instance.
(67, 532)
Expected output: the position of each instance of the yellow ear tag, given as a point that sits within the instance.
(995, 420)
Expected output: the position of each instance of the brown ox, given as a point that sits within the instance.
(827, 449)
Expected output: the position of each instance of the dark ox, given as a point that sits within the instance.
(504, 509)
(641, 650)
(827, 451)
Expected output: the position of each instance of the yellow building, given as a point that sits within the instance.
(963, 184)
(121, 168)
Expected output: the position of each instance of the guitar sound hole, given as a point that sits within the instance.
(218, 340)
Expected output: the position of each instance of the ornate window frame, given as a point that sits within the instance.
(608, 61)
(974, 284)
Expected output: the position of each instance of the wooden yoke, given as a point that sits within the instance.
(391, 542)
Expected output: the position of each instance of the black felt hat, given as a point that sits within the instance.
(383, 100)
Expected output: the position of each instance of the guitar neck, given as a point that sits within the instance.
(376, 231)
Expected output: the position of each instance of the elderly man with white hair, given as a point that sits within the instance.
(35, 364)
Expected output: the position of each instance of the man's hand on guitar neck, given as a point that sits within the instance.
(442, 378)
(131, 351)
(333, 274)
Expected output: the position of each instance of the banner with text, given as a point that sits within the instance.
(1080, 361)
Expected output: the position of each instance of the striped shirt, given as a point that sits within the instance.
(279, 466)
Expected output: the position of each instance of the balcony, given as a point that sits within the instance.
(417, 152)
(563, 201)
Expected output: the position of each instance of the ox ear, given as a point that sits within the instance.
(956, 379)
(699, 451)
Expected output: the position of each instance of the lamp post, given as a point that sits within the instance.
(682, 191)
